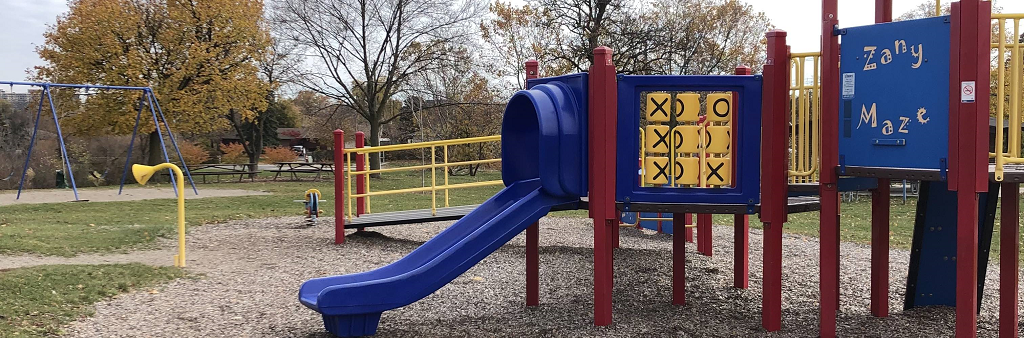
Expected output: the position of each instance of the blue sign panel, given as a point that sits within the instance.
(894, 111)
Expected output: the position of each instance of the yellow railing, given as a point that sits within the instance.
(1009, 63)
(805, 117)
(433, 188)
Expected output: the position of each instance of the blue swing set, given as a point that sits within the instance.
(148, 99)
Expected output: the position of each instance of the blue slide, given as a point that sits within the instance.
(536, 177)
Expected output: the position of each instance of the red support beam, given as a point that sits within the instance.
(883, 11)
(829, 192)
(774, 175)
(880, 249)
(741, 223)
(880, 216)
(741, 250)
(688, 232)
(339, 187)
(970, 46)
(533, 231)
(1009, 265)
(603, 103)
(704, 234)
(678, 263)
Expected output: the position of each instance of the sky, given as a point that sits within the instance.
(23, 22)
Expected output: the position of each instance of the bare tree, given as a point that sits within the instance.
(361, 52)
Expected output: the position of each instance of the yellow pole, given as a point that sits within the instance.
(179, 259)
(446, 176)
(938, 7)
(1000, 106)
(433, 182)
(366, 181)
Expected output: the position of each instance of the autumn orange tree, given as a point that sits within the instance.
(198, 56)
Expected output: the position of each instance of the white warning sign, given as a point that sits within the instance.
(849, 85)
(968, 91)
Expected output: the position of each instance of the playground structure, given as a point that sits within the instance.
(148, 100)
(142, 175)
(776, 154)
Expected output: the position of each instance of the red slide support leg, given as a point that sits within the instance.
(771, 299)
(678, 263)
(741, 229)
(1009, 265)
(532, 265)
(880, 249)
(829, 214)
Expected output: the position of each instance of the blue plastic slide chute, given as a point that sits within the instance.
(543, 150)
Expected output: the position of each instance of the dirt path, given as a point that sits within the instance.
(109, 195)
(162, 257)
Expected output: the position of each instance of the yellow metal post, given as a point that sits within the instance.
(348, 179)
(433, 182)
(938, 7)
(142, 174)
(446, 176)
(366, 180)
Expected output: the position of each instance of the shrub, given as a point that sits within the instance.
(193, 154)
(233, 153)
(279, 154)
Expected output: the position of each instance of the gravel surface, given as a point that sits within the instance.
(249, 273)
(110, 194)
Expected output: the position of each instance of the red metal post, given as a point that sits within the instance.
(678, 263)
(880, 216)
(533, 231)
(339, 186)
(880, 249)
(883, 11)
(688, 232)
(741, 250)
(360, 179)
(970, 41)
(603, 103)
(741, 223)
(704, 234)
(1009, 265)
(829, 192)
(774, 178)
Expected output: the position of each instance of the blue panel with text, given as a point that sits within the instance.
(894, 111)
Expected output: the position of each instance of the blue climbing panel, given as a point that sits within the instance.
(895, 95)
(932, 276)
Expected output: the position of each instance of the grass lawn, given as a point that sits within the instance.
(39, 301)
(67, 229)
(71, 228)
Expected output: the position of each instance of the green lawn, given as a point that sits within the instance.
(71, 228)
(67, 229)
(39, 301)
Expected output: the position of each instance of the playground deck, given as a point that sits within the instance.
(423, 216)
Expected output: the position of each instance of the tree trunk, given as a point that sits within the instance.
(374, 142)
(155, 152)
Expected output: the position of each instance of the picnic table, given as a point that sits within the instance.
(220, 169)
(295, 168)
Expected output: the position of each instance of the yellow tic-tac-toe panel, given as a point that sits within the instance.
(658, 106)
(687, 171)
(686, 139)
(717, 171)
(656, 170)
(656, 139)
(720, 107)
(718, 139)
(687, 107)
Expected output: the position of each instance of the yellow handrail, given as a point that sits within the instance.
(805, 117)
(1008, 49)
(433, 188)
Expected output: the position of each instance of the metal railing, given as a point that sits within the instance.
(805, 117)
(435, 147)
(1009, 64)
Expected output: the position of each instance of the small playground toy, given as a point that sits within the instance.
(312, 203)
